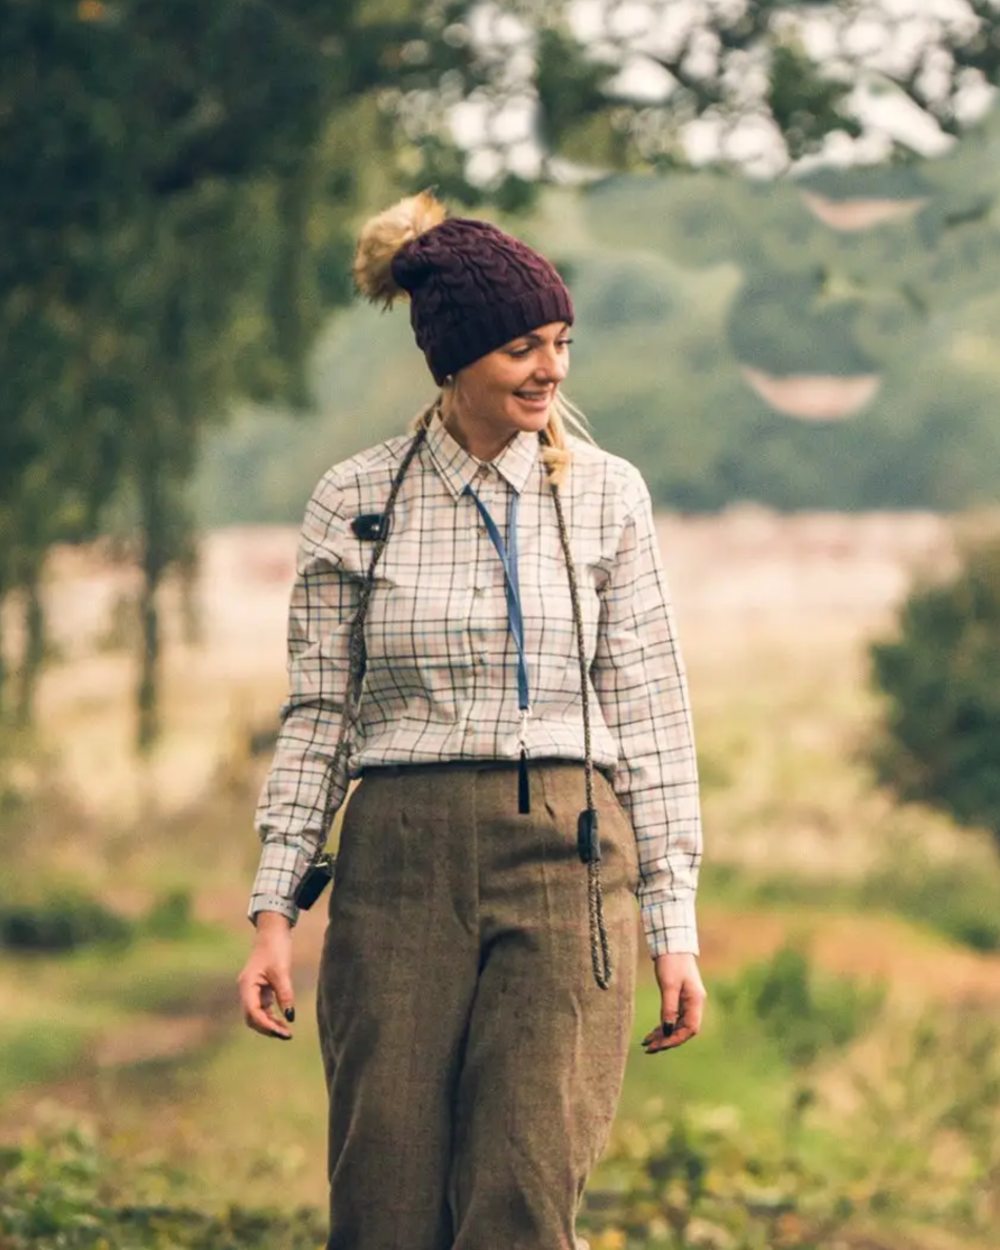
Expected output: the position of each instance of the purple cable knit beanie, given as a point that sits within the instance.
(472, 287)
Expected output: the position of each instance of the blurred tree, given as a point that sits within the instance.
(770, 90)
(177, 189)
(941, 681)
(756, 87)
(179, 186)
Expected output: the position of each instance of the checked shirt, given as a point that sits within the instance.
(440, 673)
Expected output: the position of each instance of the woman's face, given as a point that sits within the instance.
(512, 388)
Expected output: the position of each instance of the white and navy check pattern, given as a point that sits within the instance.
(441, 667)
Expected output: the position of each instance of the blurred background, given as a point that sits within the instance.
(780, 223)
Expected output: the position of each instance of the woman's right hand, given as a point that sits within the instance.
(267, 977)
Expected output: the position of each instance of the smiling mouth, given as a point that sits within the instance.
(533, 397)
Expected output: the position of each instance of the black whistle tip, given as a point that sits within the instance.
(523, 789)
(587, 838)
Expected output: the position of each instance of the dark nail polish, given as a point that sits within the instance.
(667, 1027)
(289, 1014)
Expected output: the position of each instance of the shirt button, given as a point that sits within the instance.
(483, 471)
(481, 657)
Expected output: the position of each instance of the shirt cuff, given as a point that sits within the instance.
(282, 866)
(271, 902)
(671, 926)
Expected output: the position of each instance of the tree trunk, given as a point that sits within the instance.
(291, 290)
(155, 555)
(188, 566)
(34, 644)
(3, 662)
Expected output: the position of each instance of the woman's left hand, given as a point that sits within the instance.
(682, 1001)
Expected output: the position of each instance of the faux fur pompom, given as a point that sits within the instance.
(381, 238)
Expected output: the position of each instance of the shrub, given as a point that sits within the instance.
(955, 899)
(801, 1014)
(941, 679)
(59, 921)
(61, 1193)
(170, 915)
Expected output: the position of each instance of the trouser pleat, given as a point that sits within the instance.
(473, 1064)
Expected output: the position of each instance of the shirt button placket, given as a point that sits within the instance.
(487, 478)
(479, 657)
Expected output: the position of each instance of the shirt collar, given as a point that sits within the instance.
(457, 466)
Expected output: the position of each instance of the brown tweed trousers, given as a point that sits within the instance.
(473, 1065)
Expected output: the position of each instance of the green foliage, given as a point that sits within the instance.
(170, 915)
(575, 108)
(904, 1147)
(941, 680)
(958, 900)
(679, 284)
(697, 1177)
(178, 197)
(42, 1049)
(805, 106)
(927, 1119)
(181, 189)
(909, 1157)
(62, 920)
(59, 1192)
(781, 322)
(802, 1014)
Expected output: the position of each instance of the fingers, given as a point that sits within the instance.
(659, 1040)
(682, 1012)
(670, 1004)
(257, 984)
(284, 993)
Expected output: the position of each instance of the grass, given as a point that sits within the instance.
(770, 1104)
(60, 1191)
(730, 1062)
(61, 1009)
(42, 1049)
(880, 1130)
(958, 901)
(743, 1136)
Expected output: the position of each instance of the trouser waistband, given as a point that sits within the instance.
(477, 765)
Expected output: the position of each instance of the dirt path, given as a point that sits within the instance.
(918, 966)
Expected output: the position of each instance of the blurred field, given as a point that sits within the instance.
(752, 589)
(774, 613)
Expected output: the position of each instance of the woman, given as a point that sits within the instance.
(491, 585)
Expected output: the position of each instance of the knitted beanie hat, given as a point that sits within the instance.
(472, 287)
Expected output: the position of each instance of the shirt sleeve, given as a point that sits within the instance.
(640, 681)
(301, 786)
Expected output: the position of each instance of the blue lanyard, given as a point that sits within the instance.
(515, 622)
(508, 558)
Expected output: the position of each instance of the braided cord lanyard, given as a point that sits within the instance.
(356, 643)
(588, 839)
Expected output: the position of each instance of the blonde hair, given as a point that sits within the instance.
(556, 453)
(379, 240)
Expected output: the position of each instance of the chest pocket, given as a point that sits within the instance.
(550, 628)
(415, 626)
